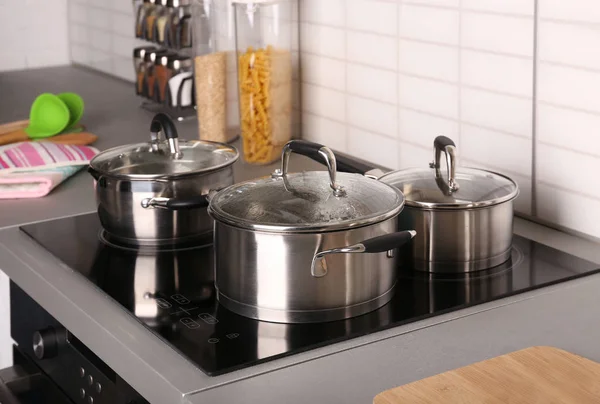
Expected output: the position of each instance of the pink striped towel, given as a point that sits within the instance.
(33, 169)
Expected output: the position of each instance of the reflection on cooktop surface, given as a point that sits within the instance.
(172, 293)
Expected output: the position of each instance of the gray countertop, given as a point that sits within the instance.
(354, 371)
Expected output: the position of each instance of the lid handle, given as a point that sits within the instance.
(161, 123)
(446, 145)
(316, 152)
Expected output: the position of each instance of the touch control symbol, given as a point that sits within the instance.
(233, 335)
(213, 340)
(181, 299)
(189, 323)
(162, 303)
(207, 318)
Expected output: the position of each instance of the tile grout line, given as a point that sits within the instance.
(460, 75)
(346, 62)
(534, 208)
(398, 84)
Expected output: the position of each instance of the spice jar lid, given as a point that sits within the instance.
(151, 56)
(463, 188)
(140, 52)
(178, 3)
(178, 62)
(307, 202)
(157, 159)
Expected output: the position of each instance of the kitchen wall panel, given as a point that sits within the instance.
(34, 34)
(418, 69)
(568, 114)
(101, 36)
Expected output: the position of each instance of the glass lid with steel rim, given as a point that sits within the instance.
(163, 158)
(463, 188)
(308, 201)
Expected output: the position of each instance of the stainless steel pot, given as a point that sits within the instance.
(306, 247)
(166, 170)
(464, 223)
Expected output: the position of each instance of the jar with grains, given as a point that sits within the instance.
(265, 33)
(211, 69)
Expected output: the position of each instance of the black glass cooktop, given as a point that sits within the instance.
(172, 293)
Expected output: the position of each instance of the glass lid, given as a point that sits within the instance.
(163, 158)
(306, 202)
(477, 188)
(457, 188)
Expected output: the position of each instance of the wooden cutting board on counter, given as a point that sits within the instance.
(536, 375)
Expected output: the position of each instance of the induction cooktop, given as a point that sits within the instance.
(171, 292)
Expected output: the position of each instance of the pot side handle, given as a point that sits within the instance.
(176, 203)
(374, 245)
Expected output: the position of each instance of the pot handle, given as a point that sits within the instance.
(162, 123)
(374, 245)
(176, 203)
(448, 147)
(315, 151)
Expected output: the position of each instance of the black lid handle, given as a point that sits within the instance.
(161, 123)
(315, 151)
(448, 147)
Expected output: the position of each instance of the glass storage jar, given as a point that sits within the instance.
(213, 46)
(265, 33)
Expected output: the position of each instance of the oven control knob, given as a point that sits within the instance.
(45, 343)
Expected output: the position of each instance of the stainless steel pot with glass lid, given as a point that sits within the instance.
(176, 174)
(309, 246)
(465, 222)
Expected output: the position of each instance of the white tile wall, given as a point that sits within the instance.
(101, 36)
(39, 40)
(568, 117)
(414, 70)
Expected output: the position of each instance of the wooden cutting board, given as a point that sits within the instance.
(537, 375)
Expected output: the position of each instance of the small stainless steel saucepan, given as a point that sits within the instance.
(162, 169)
(464, 223)
(306, 247)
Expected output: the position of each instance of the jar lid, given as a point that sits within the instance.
(140, 52)
(460, 188)
(178, 3)
(315, 201)
(157, 159)
(151, 56)
(179, 62)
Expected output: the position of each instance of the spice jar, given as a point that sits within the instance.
(180, 85)
(162, 75)
(140, 68)
(149, 61)
(184, 30)
(151, 15)
(265, 33)
(142, 10)
(162, 19)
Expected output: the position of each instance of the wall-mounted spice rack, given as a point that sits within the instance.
(164, 70)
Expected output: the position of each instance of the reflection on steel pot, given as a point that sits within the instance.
(306, 247)
(169, 169)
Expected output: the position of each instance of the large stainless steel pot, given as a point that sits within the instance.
(464, 223)
(307, 247)
(172, 170)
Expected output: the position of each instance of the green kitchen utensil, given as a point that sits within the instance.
(75, 105)
(48, 116)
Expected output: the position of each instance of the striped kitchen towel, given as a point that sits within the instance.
(33, 169)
